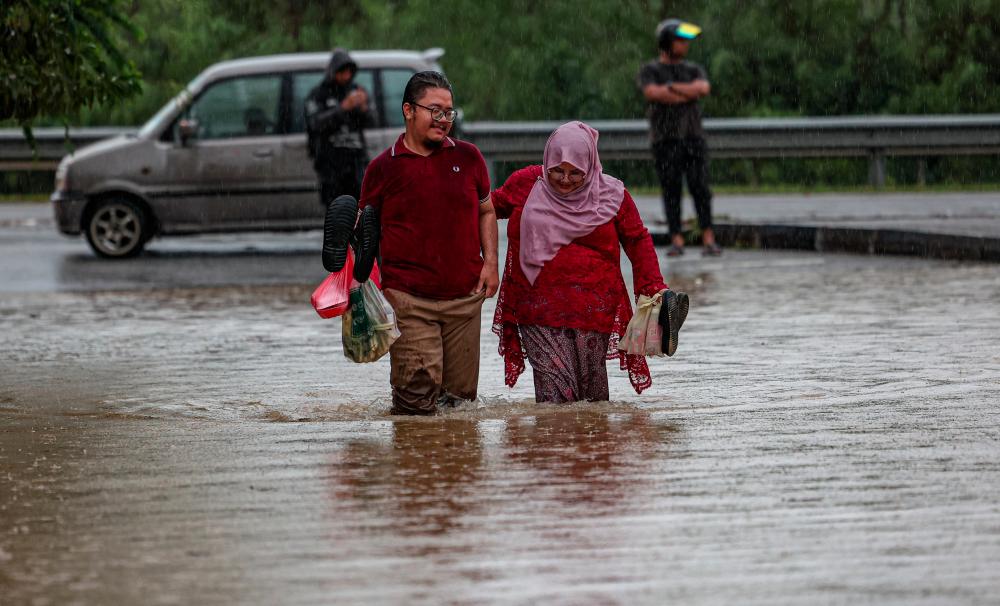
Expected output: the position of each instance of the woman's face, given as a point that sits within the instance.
(566, 178)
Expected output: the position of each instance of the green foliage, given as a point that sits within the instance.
(528, 60)
(60, 55)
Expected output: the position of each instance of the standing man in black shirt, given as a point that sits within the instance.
(336, 116)
(673, 86)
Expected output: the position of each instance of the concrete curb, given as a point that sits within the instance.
(852, 240)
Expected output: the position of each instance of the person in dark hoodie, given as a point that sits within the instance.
(336, 115)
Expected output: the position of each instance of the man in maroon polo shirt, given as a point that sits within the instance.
(439, 249)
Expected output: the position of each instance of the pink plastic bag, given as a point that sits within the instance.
(332, 297)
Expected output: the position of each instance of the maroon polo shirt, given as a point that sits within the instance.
(429, 213)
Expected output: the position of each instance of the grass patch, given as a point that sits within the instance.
(36, 197)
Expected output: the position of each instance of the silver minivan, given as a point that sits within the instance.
(227, 154)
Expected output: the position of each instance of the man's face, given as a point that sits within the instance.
(679, 48)
(419, 122)
(343, 76)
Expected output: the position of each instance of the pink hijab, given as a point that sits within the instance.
(551, 220)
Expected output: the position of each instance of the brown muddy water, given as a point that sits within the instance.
(827, 433)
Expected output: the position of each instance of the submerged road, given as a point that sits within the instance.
(182, 428)
(34, 257)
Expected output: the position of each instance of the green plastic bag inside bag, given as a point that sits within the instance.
(369, 324)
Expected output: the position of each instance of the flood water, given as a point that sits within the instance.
(828, 432)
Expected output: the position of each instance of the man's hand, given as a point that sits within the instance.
(489, 279)
(354, 99)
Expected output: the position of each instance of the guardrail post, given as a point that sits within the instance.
(491, 171)
(876, 168)
(922, 172)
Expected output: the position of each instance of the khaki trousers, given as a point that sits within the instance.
(437, 352)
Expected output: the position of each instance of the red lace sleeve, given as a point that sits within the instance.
(506, 200)
(514, 192)
(638, 244)
(505, 326)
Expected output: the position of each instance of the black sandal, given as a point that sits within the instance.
(673, 312)
(338, 227)
(365, 242)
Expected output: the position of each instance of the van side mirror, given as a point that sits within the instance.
(187, 129)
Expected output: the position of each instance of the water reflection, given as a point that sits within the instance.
(422, 479)
(431, 474)
(590, 456)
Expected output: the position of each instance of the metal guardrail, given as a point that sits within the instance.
(874, 137)
(51, 145)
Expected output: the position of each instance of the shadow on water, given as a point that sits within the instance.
(439, 474)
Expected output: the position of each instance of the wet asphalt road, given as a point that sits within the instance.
(183, 428)
(36, 258)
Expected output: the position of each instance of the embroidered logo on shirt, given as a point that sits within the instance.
(455, 168)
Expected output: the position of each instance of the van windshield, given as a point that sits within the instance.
(166, 113)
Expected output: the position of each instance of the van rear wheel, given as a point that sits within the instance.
(117, 228)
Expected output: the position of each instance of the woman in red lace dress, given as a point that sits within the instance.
(563, 301)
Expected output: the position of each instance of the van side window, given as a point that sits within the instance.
(240, 107)
(304, 82)
(393, 84)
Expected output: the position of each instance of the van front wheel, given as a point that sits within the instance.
(117, 228)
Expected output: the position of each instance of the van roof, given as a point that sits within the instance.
(306, 61)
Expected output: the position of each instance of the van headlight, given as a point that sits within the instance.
(62, 177)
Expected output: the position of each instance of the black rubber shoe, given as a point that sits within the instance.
(338, 227)
(675, 251)
(365, 242)
(711, 250)
(673, 312)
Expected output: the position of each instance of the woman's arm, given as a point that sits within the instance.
(638, 244)
(514, 192)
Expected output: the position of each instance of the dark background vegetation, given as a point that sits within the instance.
(561, 59)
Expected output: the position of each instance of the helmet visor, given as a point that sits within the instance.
(688, 31)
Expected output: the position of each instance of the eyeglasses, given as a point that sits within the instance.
(438, 114)
(573, 176)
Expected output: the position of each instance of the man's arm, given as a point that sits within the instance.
(696, 89)
(321, 119)
(366, 115)
(489, 278)
(663, 93)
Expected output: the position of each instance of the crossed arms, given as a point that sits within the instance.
(677, 92)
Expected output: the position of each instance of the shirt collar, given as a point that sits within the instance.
(399, 149)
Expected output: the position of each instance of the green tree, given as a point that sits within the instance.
(527, 60)
(61, 55)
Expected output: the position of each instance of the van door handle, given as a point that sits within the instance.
(263, 153)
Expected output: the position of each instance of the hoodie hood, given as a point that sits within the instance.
(338, 61)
